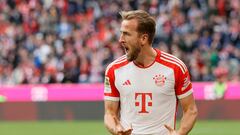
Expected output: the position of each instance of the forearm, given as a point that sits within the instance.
(110, 123)
(187, 122)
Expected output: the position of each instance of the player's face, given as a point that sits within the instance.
(130, 39)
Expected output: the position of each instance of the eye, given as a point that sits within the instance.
(125, 33)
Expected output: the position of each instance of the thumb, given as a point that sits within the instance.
(169, 128)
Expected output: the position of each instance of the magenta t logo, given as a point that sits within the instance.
(142, 101)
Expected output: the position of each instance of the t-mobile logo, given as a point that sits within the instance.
(143, 100)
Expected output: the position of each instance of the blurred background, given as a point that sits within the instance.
(53, 55)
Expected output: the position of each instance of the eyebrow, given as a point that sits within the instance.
(124, 32)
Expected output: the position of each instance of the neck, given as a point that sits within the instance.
(146, 57)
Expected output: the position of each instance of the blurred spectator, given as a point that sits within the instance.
(72, 41)
(220, 85)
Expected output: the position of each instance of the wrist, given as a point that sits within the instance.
(179, 132)
(117, 128)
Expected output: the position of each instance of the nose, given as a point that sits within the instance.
(121, 39)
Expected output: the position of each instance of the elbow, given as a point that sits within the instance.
(194, 112)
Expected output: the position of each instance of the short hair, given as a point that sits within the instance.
(146, 23)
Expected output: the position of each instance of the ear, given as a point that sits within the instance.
(144, 38)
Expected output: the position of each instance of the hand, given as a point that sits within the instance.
(171, 131)
(121, 131)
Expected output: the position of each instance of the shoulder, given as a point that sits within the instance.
(118, 63)
(172, 61)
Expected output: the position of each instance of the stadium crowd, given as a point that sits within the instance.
(72, 41)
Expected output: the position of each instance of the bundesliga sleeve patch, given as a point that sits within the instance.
(107, 86)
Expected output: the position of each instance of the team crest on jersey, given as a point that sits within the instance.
(159, 79)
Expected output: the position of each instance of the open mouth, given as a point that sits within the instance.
(126, 49)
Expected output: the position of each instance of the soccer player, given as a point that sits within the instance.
(142, 88)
